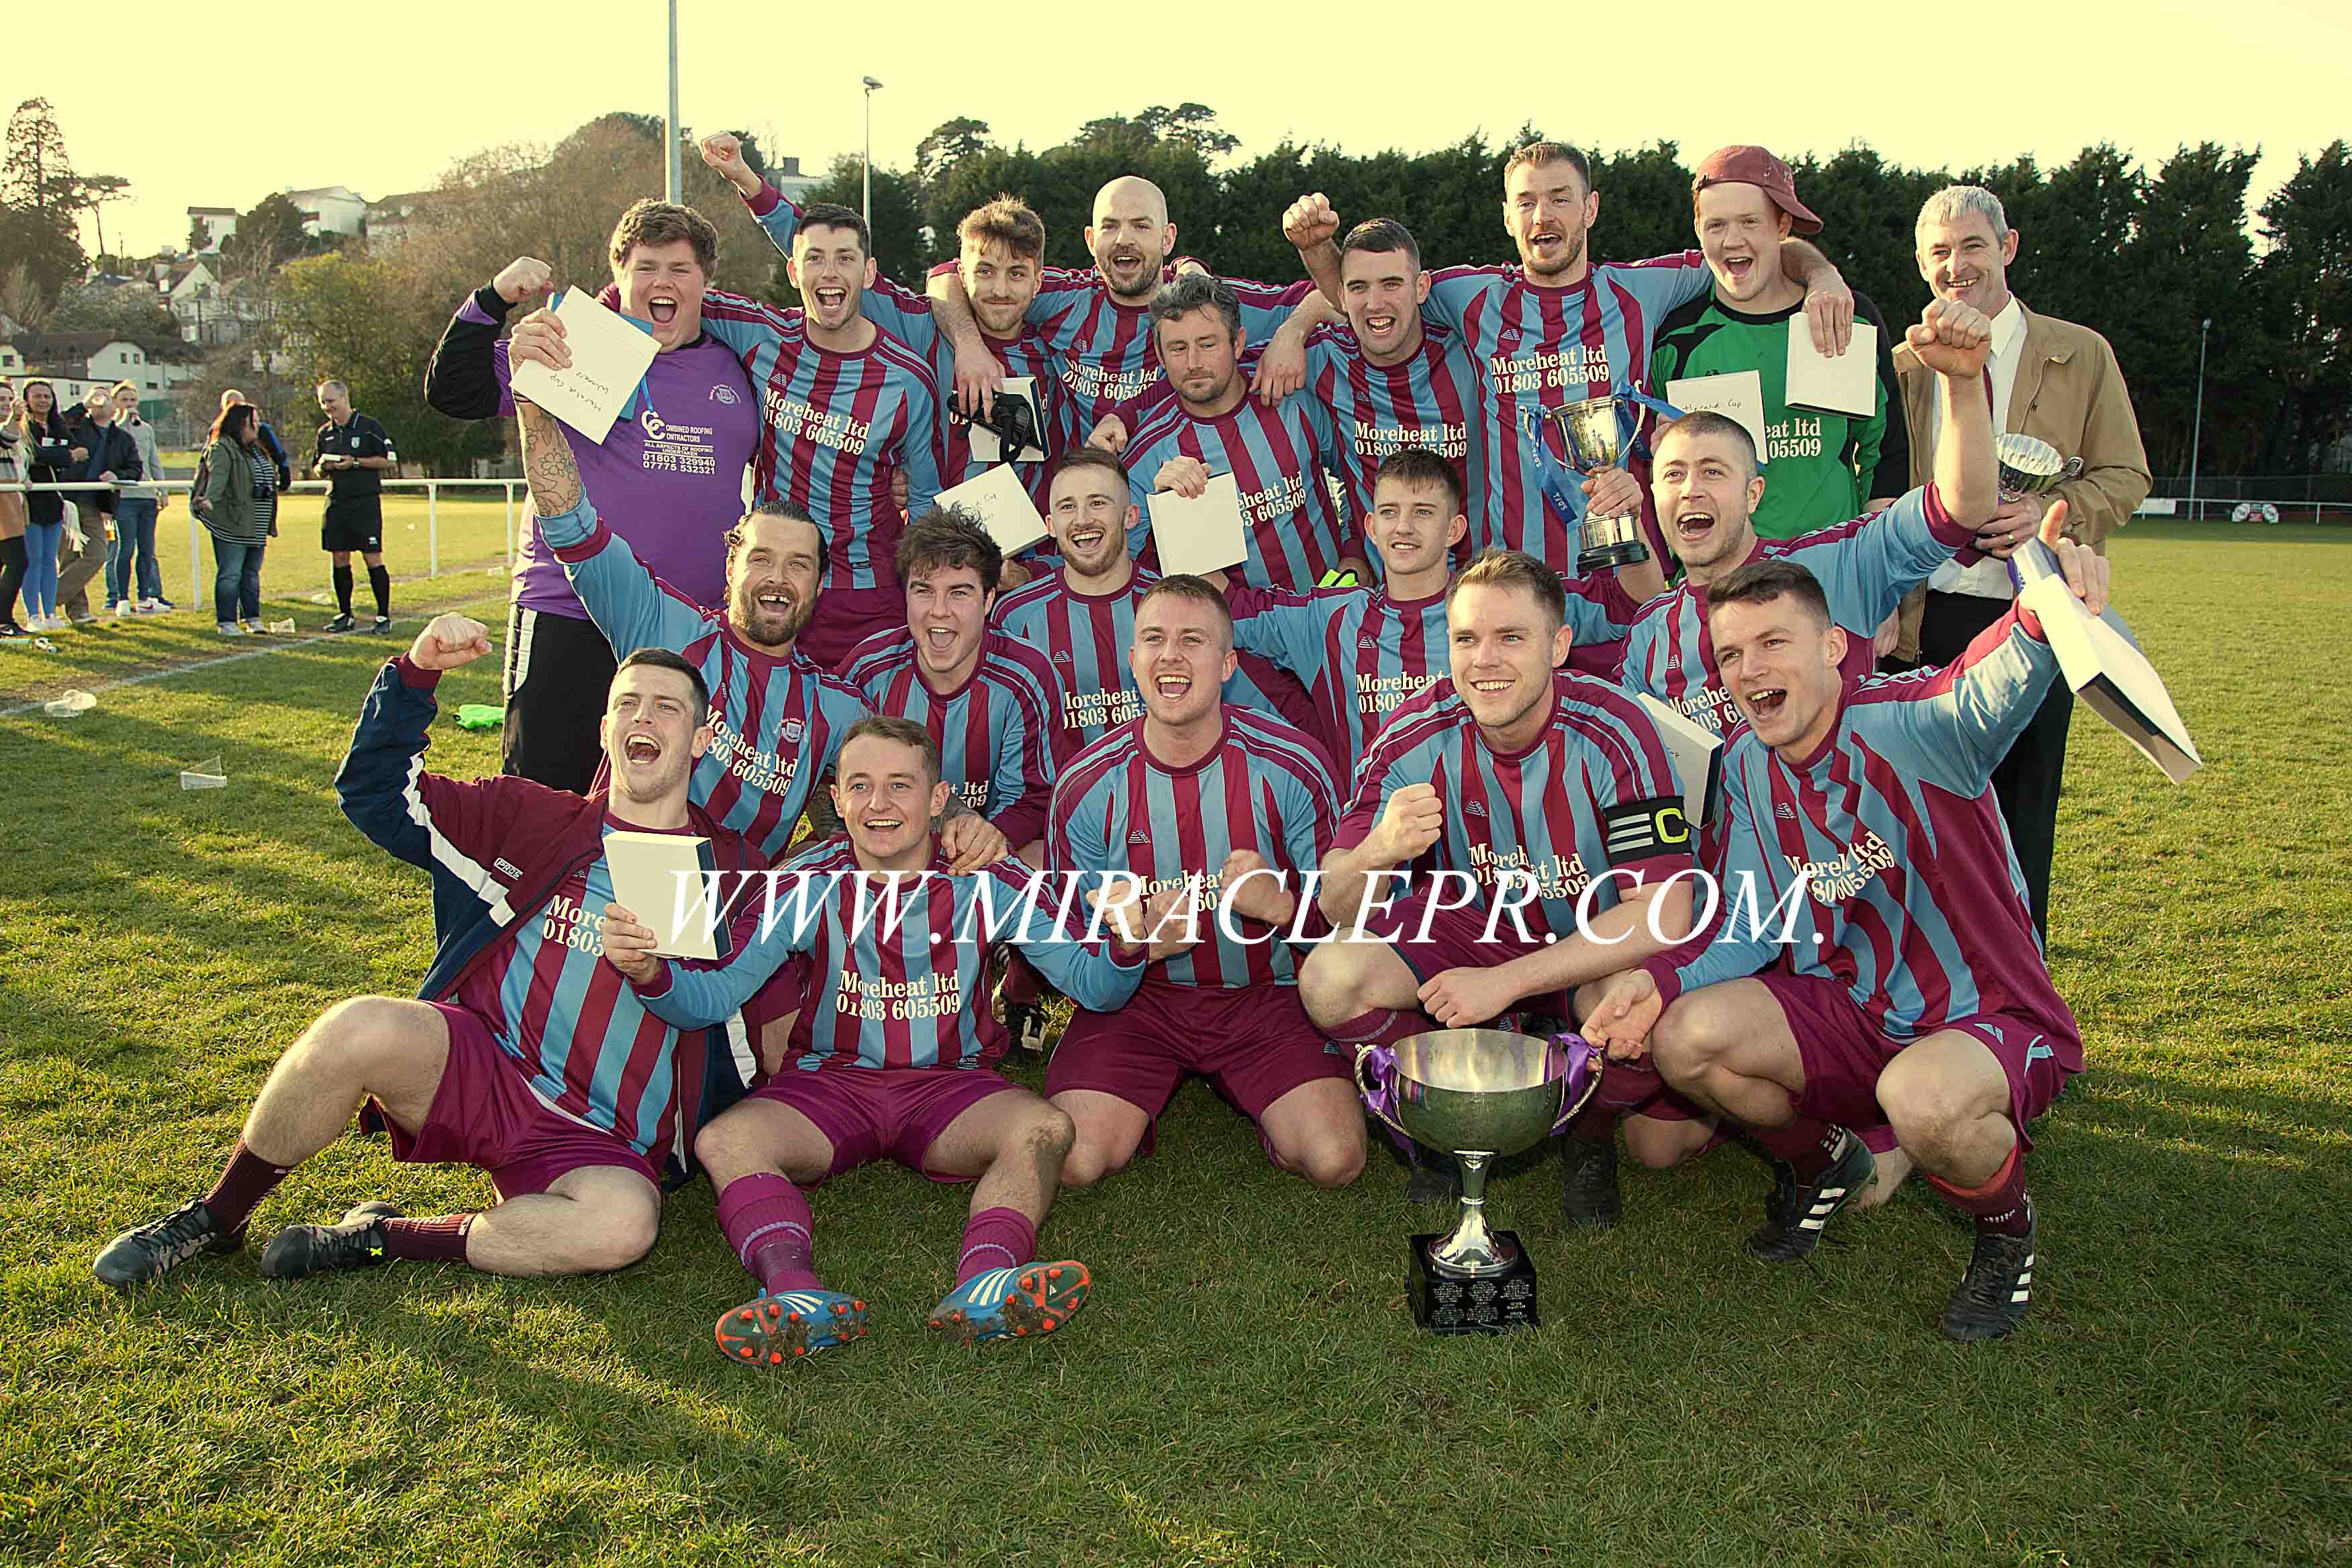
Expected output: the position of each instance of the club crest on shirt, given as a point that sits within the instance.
(722, 392)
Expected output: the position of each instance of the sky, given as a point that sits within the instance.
(382, 99)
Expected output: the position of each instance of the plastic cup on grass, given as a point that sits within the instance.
(73, 704)
(207, 775)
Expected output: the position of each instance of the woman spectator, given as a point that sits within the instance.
(241, 503)
(43, 447)
(12, 515)
(135, 509)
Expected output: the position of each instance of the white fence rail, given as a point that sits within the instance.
(200, 577)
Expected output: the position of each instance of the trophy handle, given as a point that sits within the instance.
(1376, 1096)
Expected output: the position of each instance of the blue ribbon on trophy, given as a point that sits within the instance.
(1596, 432)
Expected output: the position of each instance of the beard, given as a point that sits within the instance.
(760, 625)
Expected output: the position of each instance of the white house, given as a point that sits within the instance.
(330, 209)
(76, 362)
(213, 225)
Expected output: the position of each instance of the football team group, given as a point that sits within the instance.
(1400, 768)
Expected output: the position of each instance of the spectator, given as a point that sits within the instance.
(351, 453)
(109, 454)
(269, 443)
(43, 448)
(136, 508)
(2047, 378)
(241, 512)
(12, 513)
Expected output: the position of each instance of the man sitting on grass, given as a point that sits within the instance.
(523, 1055)
(894, 1054)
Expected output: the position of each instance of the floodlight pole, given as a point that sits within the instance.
(674, 174)
(2197, 431)
(872, 87)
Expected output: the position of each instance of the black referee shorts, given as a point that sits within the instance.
(356, 524)
(559, 670)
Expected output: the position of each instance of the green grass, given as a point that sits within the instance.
(472, 525)
(1246, 1386)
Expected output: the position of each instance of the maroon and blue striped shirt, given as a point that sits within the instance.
(1581, 800)
(1914, 902)
(1535, 348)
(1264, 787)
(837, 427)
(998, 732)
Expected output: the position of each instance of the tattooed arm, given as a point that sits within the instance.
(547, 461)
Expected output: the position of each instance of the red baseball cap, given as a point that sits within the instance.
(1755, 166)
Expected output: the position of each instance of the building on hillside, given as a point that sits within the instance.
(76, 362)
(330, 209)
(784, 173)
(388, 220)
(210, 226)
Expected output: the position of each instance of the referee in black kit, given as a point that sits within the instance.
(352, 453)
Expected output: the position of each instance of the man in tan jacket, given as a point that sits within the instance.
(2047, 378)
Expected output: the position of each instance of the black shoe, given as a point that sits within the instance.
(1430, 1176)
(1780, 1202)
(383, 626)
(154, 1251)
(342, 623)
(354, 1242)
(10, 629)
(1796, 1213)
(1026, 1023)
(1588, 1186)
(1993, 1294)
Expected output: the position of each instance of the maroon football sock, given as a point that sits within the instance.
(246, 1179)
(441, 1239)
(1381, 1026)
(1998, 1206)
(1807, 1144)
(995, 1238)
(767, 1221)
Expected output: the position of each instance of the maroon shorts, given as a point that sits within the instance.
(485, 1114)
(1843, 1053)
(847, 616)
(1254, 1043)
(866, 1113)
(1431, 941)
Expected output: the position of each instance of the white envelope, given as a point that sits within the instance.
(987, 449)
(1003, 507)
(2102, 662)
(664, 879)
(610, 355)
(1736, 394)
(1697, 751)
(1203, 534)
(1847, 385)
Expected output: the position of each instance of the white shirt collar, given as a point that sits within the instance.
(2008, 329)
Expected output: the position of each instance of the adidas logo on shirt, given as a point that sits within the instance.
(1139, 836)
(1476, 808)
(1785, 812)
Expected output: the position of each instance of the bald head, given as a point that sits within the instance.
(1131, 238)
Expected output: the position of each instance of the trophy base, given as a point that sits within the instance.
(1609, 557)
(1491, 1304)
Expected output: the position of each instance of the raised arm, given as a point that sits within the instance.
(979, 375)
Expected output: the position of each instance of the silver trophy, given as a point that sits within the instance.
(1594, 433)
(1479, 1095)
(2030, 466)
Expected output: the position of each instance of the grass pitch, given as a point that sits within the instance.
(1246, 1386)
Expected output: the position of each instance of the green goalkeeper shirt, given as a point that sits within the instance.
(1818, 468)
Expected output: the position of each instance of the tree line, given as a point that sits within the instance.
(2144, 254)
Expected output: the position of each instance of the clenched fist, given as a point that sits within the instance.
(1410, 822)
(524, 278)
(1310, 222)
(449, 641)
(1951, 338)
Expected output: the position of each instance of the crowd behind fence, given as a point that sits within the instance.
(200, 572)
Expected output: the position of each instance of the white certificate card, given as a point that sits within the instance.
(610, 356)
(1204, 533)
